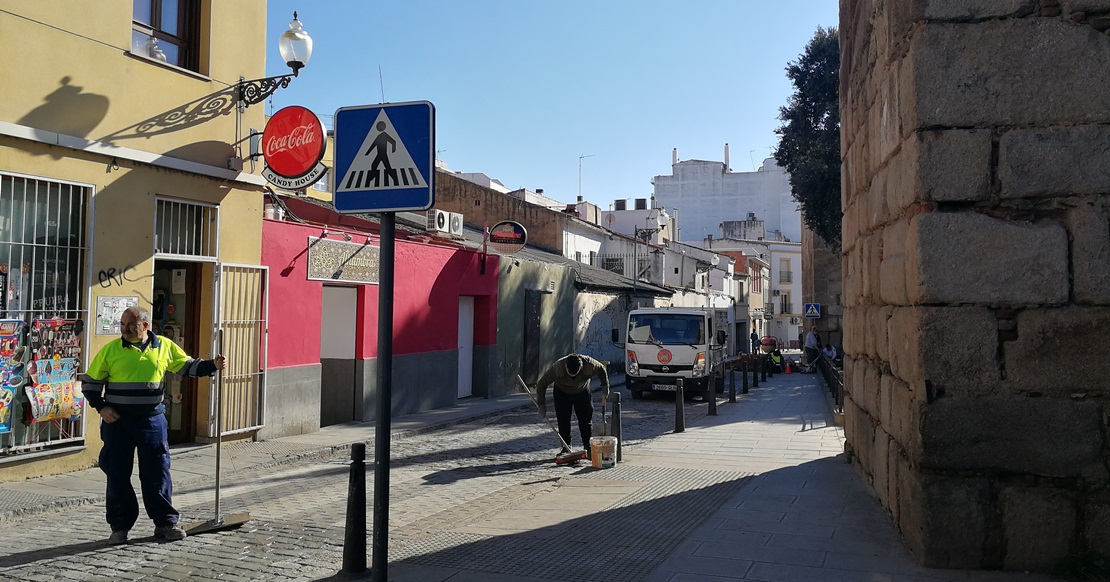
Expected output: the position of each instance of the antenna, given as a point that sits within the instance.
(750, 156)
(381, 83)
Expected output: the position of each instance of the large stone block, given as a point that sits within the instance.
(1038, 525)
(881, 457)
(938, 535)
(1059, 351)
(953, 165)
(958, 351)
(1035, 436)
(1055, 161)
(974, 9)
(1085, 5)
(967, 257)
(905, 416)
(892, 268)
(878, 331)
(905, 343)
(1096, 526)
(1090, 254)
(1009, 73)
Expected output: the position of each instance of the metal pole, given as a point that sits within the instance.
(711, 393)
(354, 535)
(762, 369)
(732, 384)
(615, 421)
(744, 376)
(755, 372)
(219, 421)
(679, 419)
(385, 398)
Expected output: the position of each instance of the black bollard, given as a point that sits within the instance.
(732, 384)
(679, 419)
(762, 369)
(354, 534)
(615, 421)
(711, 393)
(755, 372)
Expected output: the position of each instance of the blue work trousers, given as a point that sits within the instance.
(147, 435)
(583, 406)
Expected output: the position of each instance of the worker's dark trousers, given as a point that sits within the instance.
(583, 406)
(122, 438)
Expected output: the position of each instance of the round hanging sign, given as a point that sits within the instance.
(507, 237)
(293, 145)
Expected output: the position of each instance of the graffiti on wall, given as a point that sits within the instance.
(597, 315)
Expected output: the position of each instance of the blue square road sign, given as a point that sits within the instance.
(384, 157)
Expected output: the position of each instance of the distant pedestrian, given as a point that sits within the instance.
(801, 340)
(755, 342)
(571, 376)
(124, 383)
(812, 346)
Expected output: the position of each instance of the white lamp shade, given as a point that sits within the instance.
(295, 45)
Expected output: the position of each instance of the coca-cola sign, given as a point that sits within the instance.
(293, 145)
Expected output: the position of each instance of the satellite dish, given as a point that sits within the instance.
(716, 259)
(610, 218)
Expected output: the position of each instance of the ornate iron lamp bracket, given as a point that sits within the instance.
(258, 90)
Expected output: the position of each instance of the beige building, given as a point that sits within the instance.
(116, 129)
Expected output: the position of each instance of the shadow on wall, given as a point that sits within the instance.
(68, 111)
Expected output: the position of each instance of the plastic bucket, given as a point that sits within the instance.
(603, 451)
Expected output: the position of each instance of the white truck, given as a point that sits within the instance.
(668, 343)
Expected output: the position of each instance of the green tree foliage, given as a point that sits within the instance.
(809, 145)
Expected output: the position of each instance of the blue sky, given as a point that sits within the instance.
(523, 88)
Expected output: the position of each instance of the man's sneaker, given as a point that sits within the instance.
(117, 538)
(169, 532)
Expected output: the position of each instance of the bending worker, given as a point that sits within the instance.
(124, 384)
(571, 377)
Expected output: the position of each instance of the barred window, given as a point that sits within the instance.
(42, 258)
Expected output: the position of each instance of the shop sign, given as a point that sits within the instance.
(292, 146)
(341, 261)
(508, 237)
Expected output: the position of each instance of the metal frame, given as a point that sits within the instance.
(246, 342)
(74, 429)
(205, 236)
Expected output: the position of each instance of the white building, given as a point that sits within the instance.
(706, 194)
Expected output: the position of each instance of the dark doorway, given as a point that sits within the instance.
(175, 314)
(533, 307)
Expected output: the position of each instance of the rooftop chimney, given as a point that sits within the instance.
(727, 168)
(621, 204)
(641, 204)
(674, 156)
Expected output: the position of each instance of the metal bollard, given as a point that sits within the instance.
(679, 419)
(755, 372)
(354, 533)
(762, 370)
(711, 393)
(615, 421)
(732, 384)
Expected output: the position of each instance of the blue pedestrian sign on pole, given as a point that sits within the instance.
(384, 157)
(813, 310)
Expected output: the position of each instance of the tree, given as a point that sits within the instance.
(809, 147)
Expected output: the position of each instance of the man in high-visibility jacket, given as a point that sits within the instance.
(124, 384)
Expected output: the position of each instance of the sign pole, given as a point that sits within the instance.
(380, 562)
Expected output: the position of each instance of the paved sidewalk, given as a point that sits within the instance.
(759, 492)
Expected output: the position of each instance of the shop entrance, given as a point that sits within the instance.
(175, 314)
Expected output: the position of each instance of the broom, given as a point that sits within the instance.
(568, 457)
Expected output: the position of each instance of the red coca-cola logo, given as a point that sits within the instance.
(293, 142)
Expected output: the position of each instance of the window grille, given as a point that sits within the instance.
(42, 277)
(186, 230)
(243, 310)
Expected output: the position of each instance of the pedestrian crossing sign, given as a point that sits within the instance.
(384, 157)
(813, 310)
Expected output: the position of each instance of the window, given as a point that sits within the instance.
(784, 304)
(785, 274)
(167, 31)
(42, 282)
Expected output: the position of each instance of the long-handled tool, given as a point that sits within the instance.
(564, 458)
(235, 519)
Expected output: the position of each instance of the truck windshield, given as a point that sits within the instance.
(666, 329)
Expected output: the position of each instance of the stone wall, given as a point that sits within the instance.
(822, 282)
(976, 149)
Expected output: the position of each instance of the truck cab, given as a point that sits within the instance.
(665, 344)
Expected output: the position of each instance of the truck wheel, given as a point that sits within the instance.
(637, 394)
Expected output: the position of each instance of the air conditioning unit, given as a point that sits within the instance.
(775, 292)
(439, 220)
(455, 223)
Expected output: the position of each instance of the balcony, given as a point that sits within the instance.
(786, 276)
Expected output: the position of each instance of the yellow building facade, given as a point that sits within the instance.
(118, 125)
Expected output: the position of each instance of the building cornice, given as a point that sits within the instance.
(113, 151)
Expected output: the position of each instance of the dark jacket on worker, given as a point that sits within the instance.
(557, 375)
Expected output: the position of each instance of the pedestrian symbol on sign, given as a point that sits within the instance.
(390, 168)
(813, 310)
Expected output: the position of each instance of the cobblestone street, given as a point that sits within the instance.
(441, 482)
